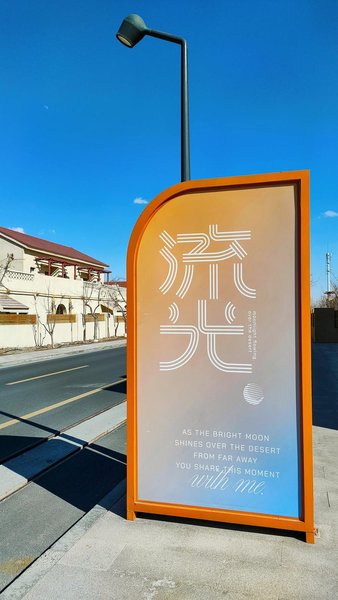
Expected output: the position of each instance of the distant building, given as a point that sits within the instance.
(51, 294)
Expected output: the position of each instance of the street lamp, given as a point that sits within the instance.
(132, 30)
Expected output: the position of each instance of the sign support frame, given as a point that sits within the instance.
(306, 523)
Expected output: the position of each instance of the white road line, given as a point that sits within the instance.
(47, 375)
(50, 407)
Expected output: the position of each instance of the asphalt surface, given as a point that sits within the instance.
(38, 400)
(39, 514)
(105, 556)
(29, 393)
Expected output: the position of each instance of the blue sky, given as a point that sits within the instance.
(89, 126)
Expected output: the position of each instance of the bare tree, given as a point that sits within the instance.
(92, 297)
(4, 268)
(328, 299)
(36, 326)
(100, 297)
(119, 304)
(49, 325)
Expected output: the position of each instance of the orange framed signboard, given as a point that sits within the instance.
(219, 366)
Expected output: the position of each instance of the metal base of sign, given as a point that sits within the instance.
(310, 537)
(131, 515)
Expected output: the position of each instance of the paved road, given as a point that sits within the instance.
(41, 399)
(37, 401)
(112, 558)
(39, 514)
(33, 518)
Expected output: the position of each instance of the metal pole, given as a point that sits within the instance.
(328, 272)
(185, 137)
(185, 141)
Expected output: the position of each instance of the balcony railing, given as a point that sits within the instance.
(20, 275)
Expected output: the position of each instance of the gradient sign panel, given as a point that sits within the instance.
(218, 398)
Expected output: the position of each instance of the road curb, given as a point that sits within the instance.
(15, 359)
(36, 571)
(16, 473)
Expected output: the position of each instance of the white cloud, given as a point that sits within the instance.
(19, 229)
(140, 201)
(331, 214)
(46, 231)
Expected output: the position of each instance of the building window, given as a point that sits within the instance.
(61, 310)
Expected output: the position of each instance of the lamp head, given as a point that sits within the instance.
(131, 31)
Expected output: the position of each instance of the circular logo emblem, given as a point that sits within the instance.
(253, 393)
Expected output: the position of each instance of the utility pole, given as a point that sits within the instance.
(328, 272)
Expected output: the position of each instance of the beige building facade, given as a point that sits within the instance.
(53, 294)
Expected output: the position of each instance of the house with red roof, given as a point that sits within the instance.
(51, 294)
(35, 254)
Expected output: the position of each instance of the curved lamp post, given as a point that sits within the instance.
(132, 30)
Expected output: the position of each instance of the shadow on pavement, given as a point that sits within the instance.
(85, 478)
(11, 445)
(40, 513)
(218, 525)
(28, 433)
(119, 388)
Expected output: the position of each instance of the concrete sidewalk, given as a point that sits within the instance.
(19, 358)
(106, 557)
